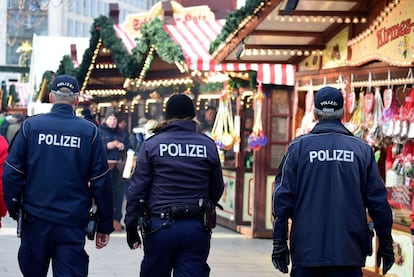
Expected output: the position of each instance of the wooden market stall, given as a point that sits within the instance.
(119, 71)
(264, 32)
(362, 47)
(158, 65)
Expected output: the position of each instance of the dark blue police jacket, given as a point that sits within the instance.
(176, 166)
(325, 183)
(53, 160)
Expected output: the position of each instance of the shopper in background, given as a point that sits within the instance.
(115, 143)
(207, 122)
(56, 166)
(325, 183)
(14, 123)
(177, 182)
(3, 155)
(140, 133)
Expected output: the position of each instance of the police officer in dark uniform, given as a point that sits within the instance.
(325, 183)
(176, 184)
(55, 167)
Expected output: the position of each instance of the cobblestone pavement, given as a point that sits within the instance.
(231, 255)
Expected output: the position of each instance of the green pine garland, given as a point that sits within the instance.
(233, 21)
(67, 66)
(167, 49)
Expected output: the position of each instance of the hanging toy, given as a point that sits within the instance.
(308, 120)
(257, 138)
(223, 132)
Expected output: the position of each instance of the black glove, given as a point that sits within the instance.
(386, 254)
(280, 255)
(14, 208)
(132, 236)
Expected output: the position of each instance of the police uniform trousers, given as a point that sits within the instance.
(42, 241)
(180, 246)
(326, 271)
(118, 193)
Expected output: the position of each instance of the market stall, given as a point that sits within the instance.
(264, 32)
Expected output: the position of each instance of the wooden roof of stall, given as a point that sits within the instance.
(115, 64)
(267, 31)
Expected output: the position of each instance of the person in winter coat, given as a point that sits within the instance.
(3, 155)
(325, 184)
(115, 142)
(176, 184)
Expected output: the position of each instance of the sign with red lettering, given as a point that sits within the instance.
(390, 38)
(134, 22)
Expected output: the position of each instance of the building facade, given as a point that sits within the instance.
(71, 18)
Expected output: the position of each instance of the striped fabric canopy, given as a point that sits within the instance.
(195, 39)
(126, 39)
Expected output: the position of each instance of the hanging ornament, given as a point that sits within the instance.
(308, 120)
(257, 138)
(223, 131)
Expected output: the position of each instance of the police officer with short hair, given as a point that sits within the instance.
(176, 184)
(325, 183)
(55, 167)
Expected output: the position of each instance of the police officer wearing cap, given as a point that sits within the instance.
(178, 175)
(55, 167)
(326, 183)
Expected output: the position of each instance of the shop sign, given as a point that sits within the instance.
(390, 38)
(134, 22)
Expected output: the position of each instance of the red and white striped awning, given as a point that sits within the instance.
(126, 39)
(195, 39)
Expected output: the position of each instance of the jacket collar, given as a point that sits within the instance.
(62, 108)
(180, 125)
(330, 126)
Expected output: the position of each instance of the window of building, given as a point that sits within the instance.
(71, 30)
